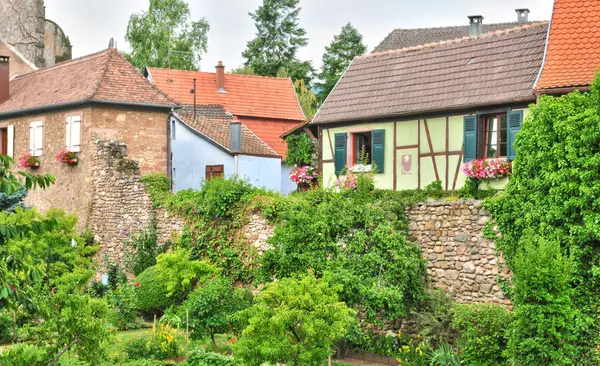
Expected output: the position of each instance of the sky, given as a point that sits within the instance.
(91, 23)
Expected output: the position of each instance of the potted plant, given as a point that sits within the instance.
(29, 161)
(305, 177)
(67, 157)
(487, 168)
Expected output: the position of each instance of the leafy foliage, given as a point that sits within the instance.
(444, 355)
(10, 202)
(164, 36)
(278, 38)
(553, 194)
(162, 344)
(435, 319)
(200, 357)
(300, 149)
(122, 302)
(337, 57)
(144, 249)
(482, 333)
(306, 97)
(294, 321)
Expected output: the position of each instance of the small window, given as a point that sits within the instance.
(4, 141)
(73, 134)
(214, 171)
(362, 148)
(494, 143)
(172, 129)
(36, 138)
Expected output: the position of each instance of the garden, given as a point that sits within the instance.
(340, 275)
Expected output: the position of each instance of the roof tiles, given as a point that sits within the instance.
(496, 68)
(573, 53)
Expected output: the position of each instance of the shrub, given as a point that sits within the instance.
(294, 321)
(151, 294)
(6, 324)
(143, 248)
(444, 355)
(482, 333)
(123, 305)
(200, 357)
(162, 344)
(435, 190)
(300, 149)
(435, 319)
(544, 330)
(24, 354)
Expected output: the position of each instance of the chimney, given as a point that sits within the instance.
(522, 15)
(220, 77)
(4, 79)
(475, 25)
(235, 137)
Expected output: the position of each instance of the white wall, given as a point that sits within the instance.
(287, 186)
(260, 171)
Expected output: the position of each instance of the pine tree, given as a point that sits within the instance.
(337, 57)
(10, 202)
(278, 38)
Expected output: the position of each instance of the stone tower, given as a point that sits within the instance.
(24, 26)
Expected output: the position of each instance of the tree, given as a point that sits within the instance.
(307, 99)
(294, 321)
(278, 38)
(164, 36)
(337, 57)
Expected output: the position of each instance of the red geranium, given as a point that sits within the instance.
(67, 157)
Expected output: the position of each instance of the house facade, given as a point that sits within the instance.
(266, 106)
(420, 112)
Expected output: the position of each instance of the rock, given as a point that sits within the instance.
(451, 274)
(462, 237)
(469, 267)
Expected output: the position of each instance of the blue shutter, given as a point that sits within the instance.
(340, 152)
(470, 138)
(515, 120)
(378, 147)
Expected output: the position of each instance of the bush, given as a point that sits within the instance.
(151, 294)
(123, 305)
(435, 319)
(200, 357)
(24, 354)
(444, 355)
(300, 149)
(482, 333)
(544, 330)
(294, 321)
(162, 344)
(143, 248)
(6, 324)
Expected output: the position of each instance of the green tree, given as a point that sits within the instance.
(278, 38)
(307, 99)
(294, 321)
(300, 149)
(337, 57)
(10, 202)
(165, 36)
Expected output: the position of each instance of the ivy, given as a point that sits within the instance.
(300, 149)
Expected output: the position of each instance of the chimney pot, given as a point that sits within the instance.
(4, 78)
(522, 15)
(220, 77)
(235, 137)
(475, 25)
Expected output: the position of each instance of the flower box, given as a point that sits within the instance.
(29, 161)
(487, 168)
(67, 157)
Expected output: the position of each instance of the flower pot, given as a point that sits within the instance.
(35, 165)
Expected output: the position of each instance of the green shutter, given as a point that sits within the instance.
(515, 120)
(378, 147)
(470, 138)
(340, 152)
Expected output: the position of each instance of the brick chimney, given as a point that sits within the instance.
(4, 79)
(522, 15)
(220, 77)
(475, 25)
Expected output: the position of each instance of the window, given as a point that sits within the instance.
(172, 129)
(4, 141)
(496, 137)
(214, 171)
(36, 138)
(73, 136)
(372, 142)
(362, 145)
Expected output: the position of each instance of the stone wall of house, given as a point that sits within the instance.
(460, 260)
(120, 206)
(22, 26)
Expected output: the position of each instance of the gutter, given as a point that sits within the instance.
(539, 75)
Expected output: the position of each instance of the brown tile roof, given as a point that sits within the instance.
(101, 77)
(403, 38)
(573, 54)
(247, 95)
(496, 68)
(213, 122)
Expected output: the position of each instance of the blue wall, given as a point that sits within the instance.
(192, 153)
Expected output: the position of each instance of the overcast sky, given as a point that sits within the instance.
(91, 23)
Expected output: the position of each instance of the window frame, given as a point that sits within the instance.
(483, 134)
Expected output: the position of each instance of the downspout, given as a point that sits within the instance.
(235, 164)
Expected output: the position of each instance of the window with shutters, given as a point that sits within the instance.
(36, 138)
(73, 134)
(214, 171)
(491, 136)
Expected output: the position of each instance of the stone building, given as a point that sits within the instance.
(23, 25)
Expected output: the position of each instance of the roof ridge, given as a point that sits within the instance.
(228, 73)
(102, 76)
(63, 64)
(457, 40)
(460, 26)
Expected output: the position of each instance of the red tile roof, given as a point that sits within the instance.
(253, 96)
(270, 131)
(213, 122)
(573, 53)
(101, 77)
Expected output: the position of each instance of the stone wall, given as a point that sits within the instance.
(22, 25)
(460, 260)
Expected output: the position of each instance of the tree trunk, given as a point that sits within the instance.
(214, 344)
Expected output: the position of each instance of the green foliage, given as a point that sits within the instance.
(482, 333)
(123, 307)
(211, 307)
(200, 357)
(294, 321)
(24, 354)
(144, 249)
(278, 38)
(300, 149)
(164, 36)
(337, 57)
(150, 294)
(6, 324)
(435, 190)
(158, 187)
(444, 355)
(357, 236)
(306, 97)
(544, 330)
(435, 319)
(553, 193)
(162, 344)
(10, 202)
